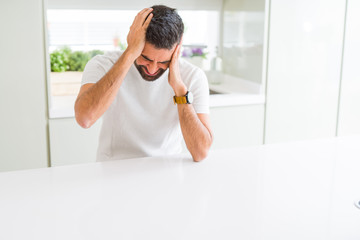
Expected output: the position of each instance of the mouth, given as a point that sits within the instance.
(147, 73)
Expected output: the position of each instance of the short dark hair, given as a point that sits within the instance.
(166, 27)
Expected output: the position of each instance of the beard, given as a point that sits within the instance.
(150, 78)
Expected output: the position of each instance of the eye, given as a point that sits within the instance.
(164, 63)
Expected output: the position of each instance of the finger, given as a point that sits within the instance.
(140, 17)
(148, 20)
(178, 49)
(175, 54)
(144, 14)
(142, 11)
(181, 40)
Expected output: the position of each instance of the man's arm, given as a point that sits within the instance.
(195, 127)
(196, 131)
(94, 99)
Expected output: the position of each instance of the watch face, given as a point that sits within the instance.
(190, 97)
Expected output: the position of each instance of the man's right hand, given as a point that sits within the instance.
(137, 33)
(95, 98)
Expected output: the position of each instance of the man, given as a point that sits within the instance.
(134, 92)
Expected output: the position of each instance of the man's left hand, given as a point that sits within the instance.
(175, 80)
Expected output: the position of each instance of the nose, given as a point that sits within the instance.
(152, 68)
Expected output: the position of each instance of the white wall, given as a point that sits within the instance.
(304, 63)
(23, 124)
(349, 111)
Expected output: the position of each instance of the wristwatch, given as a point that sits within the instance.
(187, 99)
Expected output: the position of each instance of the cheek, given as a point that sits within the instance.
(164, 66)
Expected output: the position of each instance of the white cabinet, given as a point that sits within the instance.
(349, 111)
(304, 65)
(71, 144)
(233, 126)
(237, 126)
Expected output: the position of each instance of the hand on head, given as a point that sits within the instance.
(157, 54)
(137, 34)
(175, 80)
(177, 50)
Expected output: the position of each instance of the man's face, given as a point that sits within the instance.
(153, 62)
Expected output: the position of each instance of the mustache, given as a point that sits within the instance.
(143, 72)
(147, 70)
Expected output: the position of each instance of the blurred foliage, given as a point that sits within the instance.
(122, 45)
(190, 52)
(78, 60)
(60, 59)
(64, 59)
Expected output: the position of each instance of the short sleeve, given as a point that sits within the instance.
(200, 88)
(93, 71)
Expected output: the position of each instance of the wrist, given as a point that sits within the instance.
(180, 90)
(130, 55)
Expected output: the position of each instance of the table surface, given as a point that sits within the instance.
(300, 190)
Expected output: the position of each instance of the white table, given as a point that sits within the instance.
(304, 190)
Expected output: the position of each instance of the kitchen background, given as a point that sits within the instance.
(279, 70)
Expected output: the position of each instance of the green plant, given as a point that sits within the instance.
(64, 59)
(78, 60)
(60, 59)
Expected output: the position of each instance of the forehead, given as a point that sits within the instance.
(157, 54)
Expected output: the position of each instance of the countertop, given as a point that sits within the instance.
(300, 190)
(234, 91)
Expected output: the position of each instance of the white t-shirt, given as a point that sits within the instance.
(143, 119)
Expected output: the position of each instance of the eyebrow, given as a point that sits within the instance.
(153, 60)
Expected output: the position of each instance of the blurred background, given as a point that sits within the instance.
(278, 70)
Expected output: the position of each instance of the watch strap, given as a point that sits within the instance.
(180, 100)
